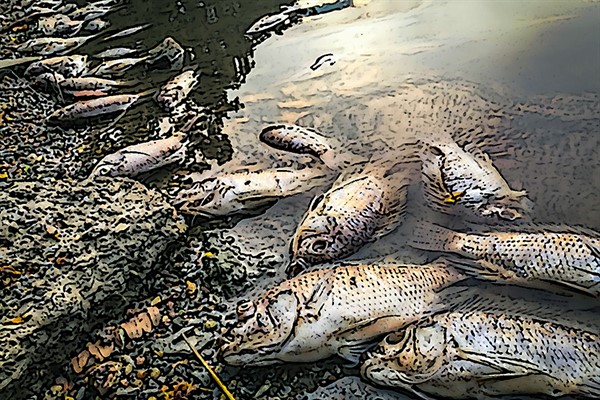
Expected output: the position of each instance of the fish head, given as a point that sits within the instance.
(111, 165)
(76, 65)
(262, 329)
(208, 198)
(407, 357)
(318, 237)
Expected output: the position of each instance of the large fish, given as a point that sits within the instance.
(71, 86)
(58, 25)
(300, 140)
(115, 68)
(352, 213)
(338, 311)
(139, 158)
(480, 354)
(567, 258)
(456, 179)
(243, 191)
(49, 46)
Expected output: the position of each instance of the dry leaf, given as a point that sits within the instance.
(191, 287)
(79, 361)
(154, 314)
(7, 269)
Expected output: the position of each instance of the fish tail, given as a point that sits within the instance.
(147, 93)
(592, 388)
(428, 236)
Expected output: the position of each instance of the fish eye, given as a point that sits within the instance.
(208, 199)
(316, 202)
(319, 246)
(103, 170)
(245, 310)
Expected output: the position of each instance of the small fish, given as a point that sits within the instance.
(454, 177)
(128, 32)
(96, 25)
(479, 354)
(58, 25)
(11, 62)
(300, 140)
(116, 52)
(241, 191)
(68, 66)
(114, 68)
(348, 216)
(139, 158)
(96, 107)
(41, 11)
(170, 49)
(174, 92)
(270, 21)
(72, 85)
(93, 11)
(339, 311)
(567, 258)
(53, 46)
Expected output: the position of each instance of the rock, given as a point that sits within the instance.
(70, 278)
(353, 388)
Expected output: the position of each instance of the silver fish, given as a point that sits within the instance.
(174, 92)
(242, 191)
(300, 140)
(567, 258)
(351, 214)
(339, 311)
(128, 32)
(68, 66)
(53, 46)
(116, 52)
(478, 354)
(134, 160)
(114, 68)
(96, 107)
(468, 181)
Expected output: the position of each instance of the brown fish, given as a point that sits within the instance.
(49, 46)
(72, 85)
(352, 213)
(174, 92)
(477, 354)
(68, 66)
(58, 25)
(115, 68)
(338, 311)
(567, 258)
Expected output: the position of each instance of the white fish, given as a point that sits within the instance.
(139, 158)
(339, 311)
(68, 66)
(48, 46)
(174, 92)
(243, 191)
(271, 21)
(478, 354)
(115, 68)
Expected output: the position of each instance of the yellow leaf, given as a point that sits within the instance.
(3, 175)
(191, 287)
(208, 254)
(16, 320)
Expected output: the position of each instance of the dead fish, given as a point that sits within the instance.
(567, 258)
(113, 68)
(68, 66)
(348, 216)
(51, 46)
(139, 158)
(128, 32)
(457, 178)
(339, 311)
(37, 12)
(73, 85)
(242, 191)
(170, 49)
(116, 52)
(11, 62)
(96, 107)
(479, 354)
(93, 11)
(174, 92)
(96, 25)
(300, 140)
(271, 21)
(58, 25)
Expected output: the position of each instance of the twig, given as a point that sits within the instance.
(209, 369)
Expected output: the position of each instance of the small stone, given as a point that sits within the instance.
(210, 324)
(154, 373)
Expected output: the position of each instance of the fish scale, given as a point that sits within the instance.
(336, 311)
(461, 353)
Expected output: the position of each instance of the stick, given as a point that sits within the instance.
(209, 369)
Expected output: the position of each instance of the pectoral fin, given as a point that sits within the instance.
(318, 299)
(352, 351)
(507, 367)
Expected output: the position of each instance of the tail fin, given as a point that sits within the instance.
(427, 236)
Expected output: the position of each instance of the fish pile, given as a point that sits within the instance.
(405, 324)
